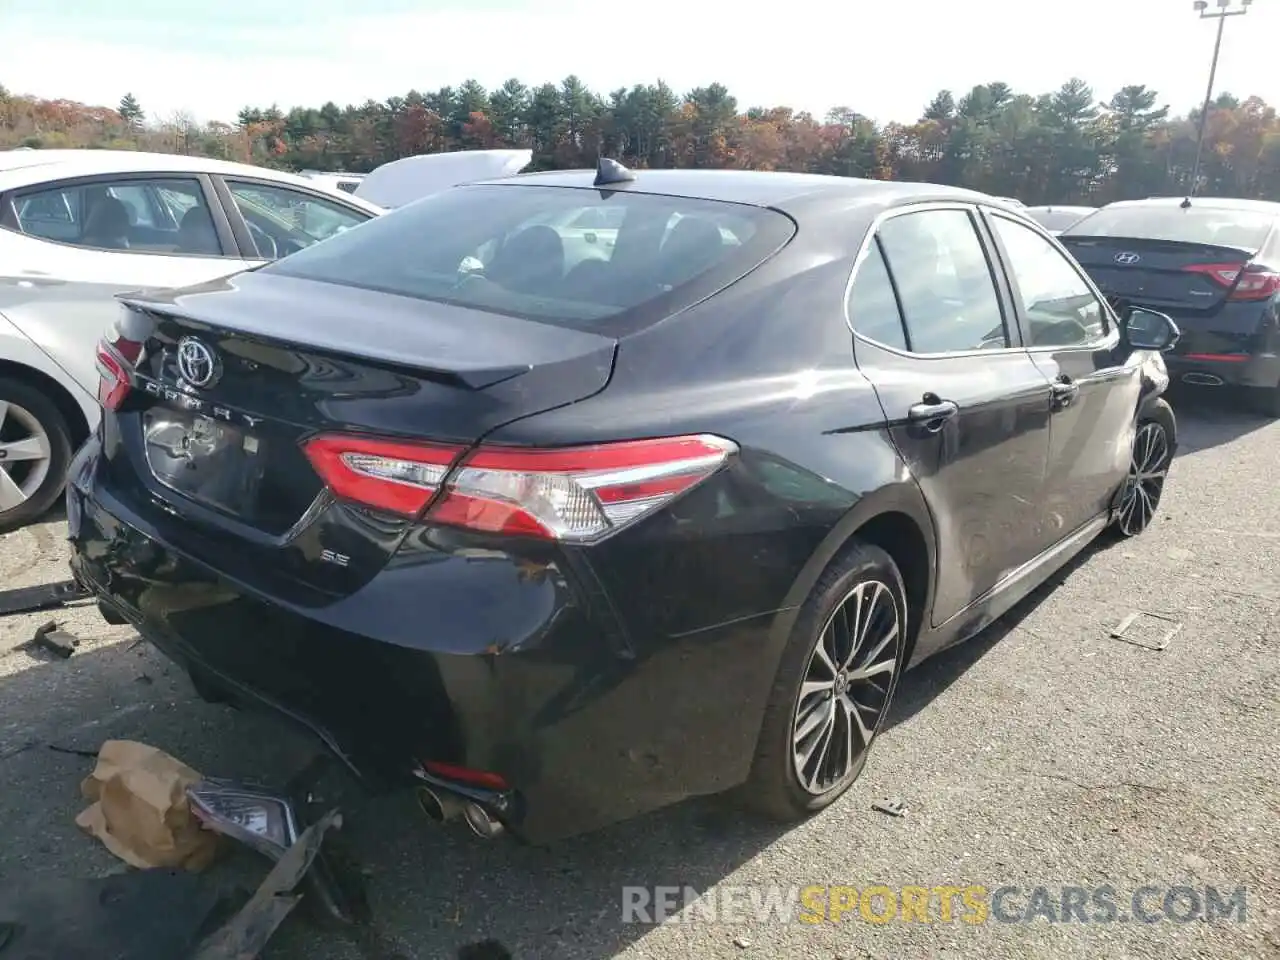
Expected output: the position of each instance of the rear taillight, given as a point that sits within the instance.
(1252, 282)
(568, 493)
(1257, 283)
(396, 477)
(117, 354)
(113, 376)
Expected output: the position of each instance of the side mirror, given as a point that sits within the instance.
(1148, 330)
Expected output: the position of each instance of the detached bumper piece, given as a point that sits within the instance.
(271, 823)
(247, 933)
(47, 596)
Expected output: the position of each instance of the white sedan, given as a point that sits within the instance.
(78, 227)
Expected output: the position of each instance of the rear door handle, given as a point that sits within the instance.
(932, 413)
(1065, 390)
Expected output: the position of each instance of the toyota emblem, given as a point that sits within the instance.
(1127, 258)
(197, 364)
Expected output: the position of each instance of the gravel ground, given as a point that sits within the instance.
(1041, 753)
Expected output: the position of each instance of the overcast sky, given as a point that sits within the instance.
(884, 59)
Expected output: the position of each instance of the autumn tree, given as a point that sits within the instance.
(1056, 147)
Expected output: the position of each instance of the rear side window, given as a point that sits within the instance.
(1243, 229)
(873, 306)
(571, 256)
(137, 215)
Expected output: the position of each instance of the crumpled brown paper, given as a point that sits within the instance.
(140, 810)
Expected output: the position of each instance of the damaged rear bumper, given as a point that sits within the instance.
(443, 657)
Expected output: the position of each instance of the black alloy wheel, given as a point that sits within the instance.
(1148, 469)
(834, 688)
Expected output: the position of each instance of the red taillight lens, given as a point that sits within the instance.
(1223, 274)
(574, 494)
(1256, 282)
(113, 376)
(397, 477)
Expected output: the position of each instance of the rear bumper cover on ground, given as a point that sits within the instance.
(486, 667)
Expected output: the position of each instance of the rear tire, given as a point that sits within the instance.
(1265, 400)
(834, 687)
(35, 450)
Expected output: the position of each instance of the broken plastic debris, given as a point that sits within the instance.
(140, 810)
(247, 933)
(1150, 631)
(257, 818)
(58, 642)
(894, 808)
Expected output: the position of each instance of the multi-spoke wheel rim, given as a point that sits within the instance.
(1148, 468)
(25, 454)
(846, 687)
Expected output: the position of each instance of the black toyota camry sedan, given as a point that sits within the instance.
(568, 496)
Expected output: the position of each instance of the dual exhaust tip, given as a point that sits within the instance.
(443, 807)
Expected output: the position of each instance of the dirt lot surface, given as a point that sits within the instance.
(1042, 753)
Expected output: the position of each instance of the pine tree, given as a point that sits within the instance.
(130, 111)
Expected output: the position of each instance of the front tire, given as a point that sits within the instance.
(35, 450)
(1153, 446)
(834, 687)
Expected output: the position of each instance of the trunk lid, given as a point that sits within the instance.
(232, 376)
(1170, 275)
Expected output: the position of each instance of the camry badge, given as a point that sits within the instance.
(197, 363)
(1127, 258)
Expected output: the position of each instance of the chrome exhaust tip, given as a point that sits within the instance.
(481, 823)
(1202, 379)
(437, 807)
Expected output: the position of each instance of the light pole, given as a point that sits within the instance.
(1225, 8)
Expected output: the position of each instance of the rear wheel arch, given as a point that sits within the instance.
(61, 398)
(894, 518)
(900, 536)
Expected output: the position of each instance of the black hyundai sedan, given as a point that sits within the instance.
(563, 523)
(1211, 263)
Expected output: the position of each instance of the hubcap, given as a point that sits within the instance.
(846, 686)
(24, 455)
(1148, 468)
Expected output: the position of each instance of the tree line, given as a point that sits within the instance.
(1066, 146)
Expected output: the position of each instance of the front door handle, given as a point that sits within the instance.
(932, 413)
(1065, 390)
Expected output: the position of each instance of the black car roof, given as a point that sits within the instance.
(755, 187)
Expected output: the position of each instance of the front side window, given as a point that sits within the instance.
(283, 221)
(523, 250)
(948, 295)
(139, 215)
(1058, 307)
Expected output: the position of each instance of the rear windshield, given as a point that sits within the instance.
(1243, 229)
(571, 256)
(1057, 219)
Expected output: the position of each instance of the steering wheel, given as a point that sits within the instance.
(263, 241)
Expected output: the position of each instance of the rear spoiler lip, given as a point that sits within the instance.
(472, 377)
